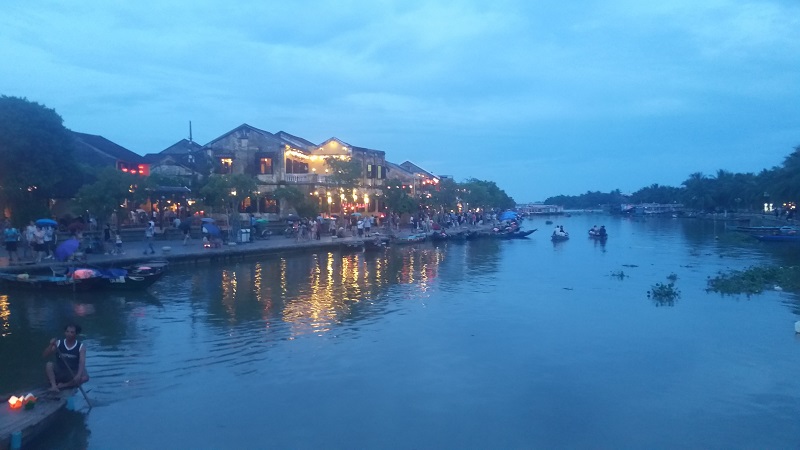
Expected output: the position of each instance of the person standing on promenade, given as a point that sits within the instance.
(30, 241)
(360, 227)
(11, 238)
(118, 244)
(49, 241)
(367, 225)
(108, 244)
(149, 232)
(69, 369)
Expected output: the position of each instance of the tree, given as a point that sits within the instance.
(344, 173)
(107, 193)
(296, 199)
(397, 197)
(36, 161)
(220, 191)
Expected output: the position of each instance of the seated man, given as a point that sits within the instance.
(69, 369)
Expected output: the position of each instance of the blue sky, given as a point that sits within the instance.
(543, 98)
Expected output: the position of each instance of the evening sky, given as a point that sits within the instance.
(543, 97)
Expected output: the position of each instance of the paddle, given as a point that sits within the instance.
(72, 374)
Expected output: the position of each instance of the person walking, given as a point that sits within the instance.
(149, 232)
(49, 241)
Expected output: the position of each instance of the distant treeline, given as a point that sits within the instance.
(724, 191)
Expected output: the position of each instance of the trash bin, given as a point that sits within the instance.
(244, 235)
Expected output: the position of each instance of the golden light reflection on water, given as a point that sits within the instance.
(5, 313)
(229, 285)
(314, 293)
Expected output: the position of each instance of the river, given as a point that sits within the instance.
(483, 344)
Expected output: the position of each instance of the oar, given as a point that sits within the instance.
(86, 397)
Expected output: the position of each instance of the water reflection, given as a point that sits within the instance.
(313, 293)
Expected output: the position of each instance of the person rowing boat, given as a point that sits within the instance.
(69, 369)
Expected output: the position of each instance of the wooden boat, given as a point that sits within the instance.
(559, 238)
(59, 283)
(439, 236)
(518, 234)
(779, 237)
(133, 277)
(27, 424)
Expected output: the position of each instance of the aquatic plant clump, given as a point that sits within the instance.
(664, 294)
(756, 279)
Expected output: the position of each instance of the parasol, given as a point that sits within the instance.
(212, 230)
(46, 223)
(66, 249)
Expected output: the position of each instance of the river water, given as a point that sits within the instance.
(483, 344)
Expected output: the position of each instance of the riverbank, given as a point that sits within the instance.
(173, 250)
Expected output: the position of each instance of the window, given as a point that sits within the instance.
(265, 165)
(225, 165)
(293, 166)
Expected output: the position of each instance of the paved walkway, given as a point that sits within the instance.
(173, 250)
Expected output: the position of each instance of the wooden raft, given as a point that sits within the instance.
(31, 422)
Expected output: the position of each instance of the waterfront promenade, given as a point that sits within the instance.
(173, 250)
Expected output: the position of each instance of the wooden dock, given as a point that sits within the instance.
(30, 423)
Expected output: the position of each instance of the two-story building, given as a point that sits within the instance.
(282, 159)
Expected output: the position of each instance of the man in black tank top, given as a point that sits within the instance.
(69, 368)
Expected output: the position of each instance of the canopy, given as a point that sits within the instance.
(508, 215)
(66, 249)
(46, 223)
(211, 229)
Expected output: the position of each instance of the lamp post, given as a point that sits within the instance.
(231, 232)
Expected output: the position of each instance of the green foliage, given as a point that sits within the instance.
(755, 280)
(485, 194)
(664, 294)
(303, 204)
(344, 173)
(221, 191)
(36, 161)
(107, 193)
(447, 195)
(398, 199)
(588, 200)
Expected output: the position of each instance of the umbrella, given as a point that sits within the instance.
(211, 229)
(207, 220)
(66, 249)
(262, 221)
(356, 214)
(292, 217)
(46, 223)
(508, 215)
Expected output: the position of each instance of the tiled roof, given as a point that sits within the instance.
(182, 147)
(411, 167)
(296, 141)
(99, 144)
